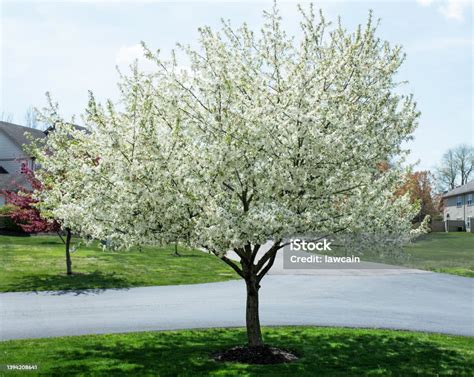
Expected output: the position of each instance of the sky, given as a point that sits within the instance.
(70, 47)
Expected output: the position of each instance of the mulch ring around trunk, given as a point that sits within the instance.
(256, 355)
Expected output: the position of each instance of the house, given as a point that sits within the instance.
(13, 155)
(459, 208)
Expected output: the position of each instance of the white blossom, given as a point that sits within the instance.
(262, 138)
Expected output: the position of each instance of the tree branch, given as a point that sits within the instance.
(269, 265)
(233, 265)
(276, 246)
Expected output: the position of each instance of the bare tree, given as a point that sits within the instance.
(456, 167)
(6, 117)
(464, 155)
(31, 119)
(447, 172)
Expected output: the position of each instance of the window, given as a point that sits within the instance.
(459, 201)
(469, 200)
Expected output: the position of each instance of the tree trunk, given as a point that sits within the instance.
(176, 254)
(252, 274)
(68, 254)
(254, 334)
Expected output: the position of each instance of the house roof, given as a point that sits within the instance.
(468, 187)
(17, 133)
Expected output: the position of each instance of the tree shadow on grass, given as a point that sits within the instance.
(77, 283)
(190, 353)
(185, 256)
(385, 355)
(57, 242)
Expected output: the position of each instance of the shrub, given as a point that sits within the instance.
(6, 222)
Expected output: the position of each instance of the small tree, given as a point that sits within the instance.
(28, 217)
(261, 139)
(418, 186)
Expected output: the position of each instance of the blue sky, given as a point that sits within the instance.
(69, 47)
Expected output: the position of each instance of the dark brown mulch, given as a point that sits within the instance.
(256, 355)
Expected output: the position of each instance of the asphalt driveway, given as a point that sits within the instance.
(402, 300)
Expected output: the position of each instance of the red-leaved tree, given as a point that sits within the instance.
(28, 217)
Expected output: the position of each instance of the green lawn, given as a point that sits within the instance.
(451, 253)
(38, 263)
(328, 352)
(443, 252)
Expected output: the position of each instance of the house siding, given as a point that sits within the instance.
(463, 212)
(11, 158)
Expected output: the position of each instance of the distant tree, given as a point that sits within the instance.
(29, 218)
(447, 172)
(456, 167)
(418, 186)
(6, 117)
(31, 119)
(464, 156)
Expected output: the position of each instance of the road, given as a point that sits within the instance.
(403, 300)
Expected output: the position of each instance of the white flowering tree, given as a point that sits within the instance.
(260, 138)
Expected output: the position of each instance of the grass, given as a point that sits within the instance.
(330, 352)
(451, 253)
(37, 263)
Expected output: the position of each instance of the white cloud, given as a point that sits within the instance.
(454, 9)
(127, 55)
(451, 9)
